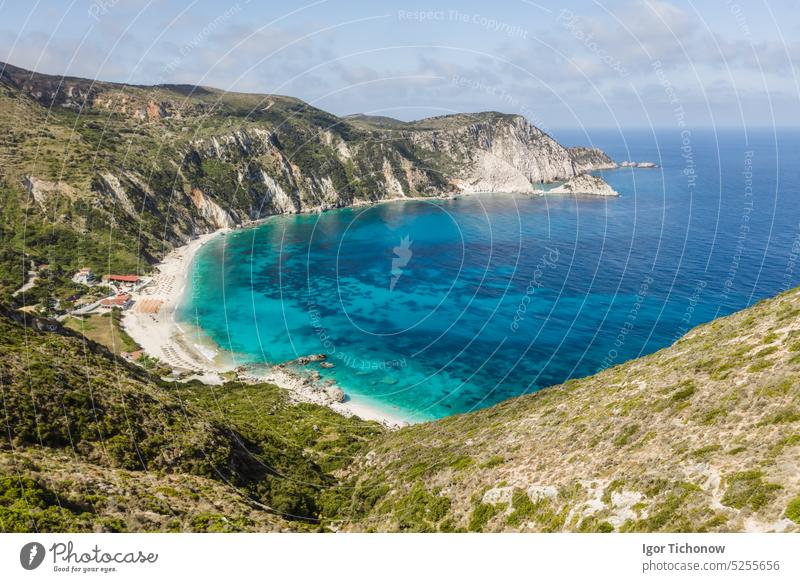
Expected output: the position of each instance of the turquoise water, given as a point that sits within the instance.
(439, 307)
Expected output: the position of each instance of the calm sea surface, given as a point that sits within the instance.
(439, 307)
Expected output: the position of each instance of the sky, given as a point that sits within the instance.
(590, 63)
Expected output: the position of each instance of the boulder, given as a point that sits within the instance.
(335, 393)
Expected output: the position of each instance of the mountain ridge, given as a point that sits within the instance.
(157, 166)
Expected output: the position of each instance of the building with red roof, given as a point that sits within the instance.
(122, 278)
(123, 301)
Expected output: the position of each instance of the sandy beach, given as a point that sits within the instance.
(151, 322)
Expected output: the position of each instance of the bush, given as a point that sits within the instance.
(421, 510)
(793, 510)
(481, 515)
(26, 505)
(748, 489)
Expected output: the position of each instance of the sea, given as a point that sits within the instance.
(429, 308)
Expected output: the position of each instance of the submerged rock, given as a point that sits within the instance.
(645, 165)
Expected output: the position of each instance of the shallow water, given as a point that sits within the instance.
(441, 307)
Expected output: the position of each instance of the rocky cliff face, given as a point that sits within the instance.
(590, 159)
(496, 153)
(455, 154)
(170, 162)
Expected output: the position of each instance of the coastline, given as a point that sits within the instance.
(152, 324)
(186, 350)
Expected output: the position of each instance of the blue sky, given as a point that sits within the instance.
(566, 64)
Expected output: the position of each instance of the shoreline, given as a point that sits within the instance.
(160, 335)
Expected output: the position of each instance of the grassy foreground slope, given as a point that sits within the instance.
(701, 436)
(91, 442)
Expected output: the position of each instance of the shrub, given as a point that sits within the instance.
(793, 510)
(625, 436)
(481, 515)
(782, 416)
(462, 462)
(542, 512)
(748, 489)
(685, 392)
(593, 525)
(758, 366)
(492, 462)
(421, 510)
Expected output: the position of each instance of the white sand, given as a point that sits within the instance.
(158, 334)
(186, 350)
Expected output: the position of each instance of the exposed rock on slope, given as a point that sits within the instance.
(43, 192)
(110, 186)
(585, 184)
(211, 211)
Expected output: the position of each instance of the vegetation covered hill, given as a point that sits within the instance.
(94, 443)
(438, 123)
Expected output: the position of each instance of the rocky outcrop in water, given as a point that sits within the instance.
(585, 185)
(590, 159)
(642, 165)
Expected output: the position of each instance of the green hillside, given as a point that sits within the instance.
(117, 169)
(112, 176)
(95, 443)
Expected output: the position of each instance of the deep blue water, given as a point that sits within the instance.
(498, 295)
